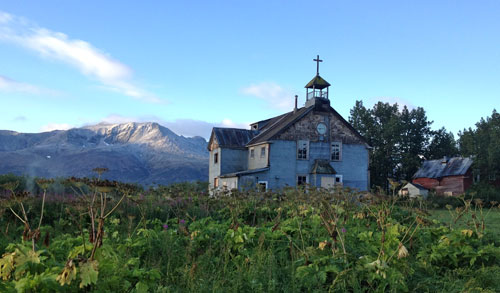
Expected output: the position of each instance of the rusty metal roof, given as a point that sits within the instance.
(233, 137)
(443, 168)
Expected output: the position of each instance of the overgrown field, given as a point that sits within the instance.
(108, 237)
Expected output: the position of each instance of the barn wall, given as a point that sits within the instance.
(453, 184)
(428, 183)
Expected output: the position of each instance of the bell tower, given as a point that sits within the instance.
(317, 88)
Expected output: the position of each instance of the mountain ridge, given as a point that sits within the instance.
(143, 153)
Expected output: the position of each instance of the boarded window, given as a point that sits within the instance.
(336, 151)
(302, 149)
(301, 180)
(252, 153)
(216, 158)
(263, 152)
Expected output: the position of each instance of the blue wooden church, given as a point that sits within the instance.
(311, 145)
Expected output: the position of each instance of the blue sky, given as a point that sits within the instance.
(191, 65)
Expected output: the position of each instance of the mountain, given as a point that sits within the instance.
(142, 153)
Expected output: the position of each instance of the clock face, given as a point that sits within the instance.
(321, 128)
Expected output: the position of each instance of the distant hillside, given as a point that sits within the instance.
(133, 152)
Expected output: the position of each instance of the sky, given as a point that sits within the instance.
(192, 65)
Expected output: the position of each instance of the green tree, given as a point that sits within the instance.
(442, 144)
(483, 144)
(398, 139)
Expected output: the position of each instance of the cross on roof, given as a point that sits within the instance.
(317, 64)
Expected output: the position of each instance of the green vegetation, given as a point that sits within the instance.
(402, 138)
(107, 236)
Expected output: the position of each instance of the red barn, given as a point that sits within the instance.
(446, 176)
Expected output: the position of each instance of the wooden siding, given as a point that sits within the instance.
(305, 128)
(453, 185)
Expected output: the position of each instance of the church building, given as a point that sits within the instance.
(311, 145)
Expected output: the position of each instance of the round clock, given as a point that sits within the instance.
(321, 128)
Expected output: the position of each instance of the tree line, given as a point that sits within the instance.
(401, 139)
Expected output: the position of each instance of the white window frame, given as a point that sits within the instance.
(341, 179)
(263, 151)
(299, 144)
(252, 153)
(259, 183)
(339, 144)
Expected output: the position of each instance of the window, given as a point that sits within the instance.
(301, 180)
(263, 152)
(216, 182)
(338, 179)
(216, 158)
(302, 149)
(336, 151)
(252, 153)
(262, 185)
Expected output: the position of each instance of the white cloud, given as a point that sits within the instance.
(5, 17)
(9, 85)
(91, 61)
(275, 95)
(55, 126)
(392, 100)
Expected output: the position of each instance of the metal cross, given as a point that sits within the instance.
(317, 64)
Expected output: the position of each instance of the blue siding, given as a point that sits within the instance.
(233, 160)
(284, 167)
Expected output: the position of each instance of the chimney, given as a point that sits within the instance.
(295, 109)
(445, 160)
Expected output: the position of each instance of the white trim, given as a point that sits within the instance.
(262, 182)
(307, 149)
(340, 150)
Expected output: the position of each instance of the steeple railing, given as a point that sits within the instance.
(317, 94)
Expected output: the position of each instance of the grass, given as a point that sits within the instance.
(491, 219)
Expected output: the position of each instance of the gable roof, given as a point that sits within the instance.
(322, 167)
(231, 137)
(437, 169)
(318, 83)
(277, 124)
(418, 186)
(282, 122)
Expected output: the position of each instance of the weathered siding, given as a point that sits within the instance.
(453, 185)
(283, 170)
(214, 169)
(258, 161)
(428, 183)
(305, 128)
(229, 183)
(233, 160)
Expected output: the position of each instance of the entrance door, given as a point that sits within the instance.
(327, 182)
